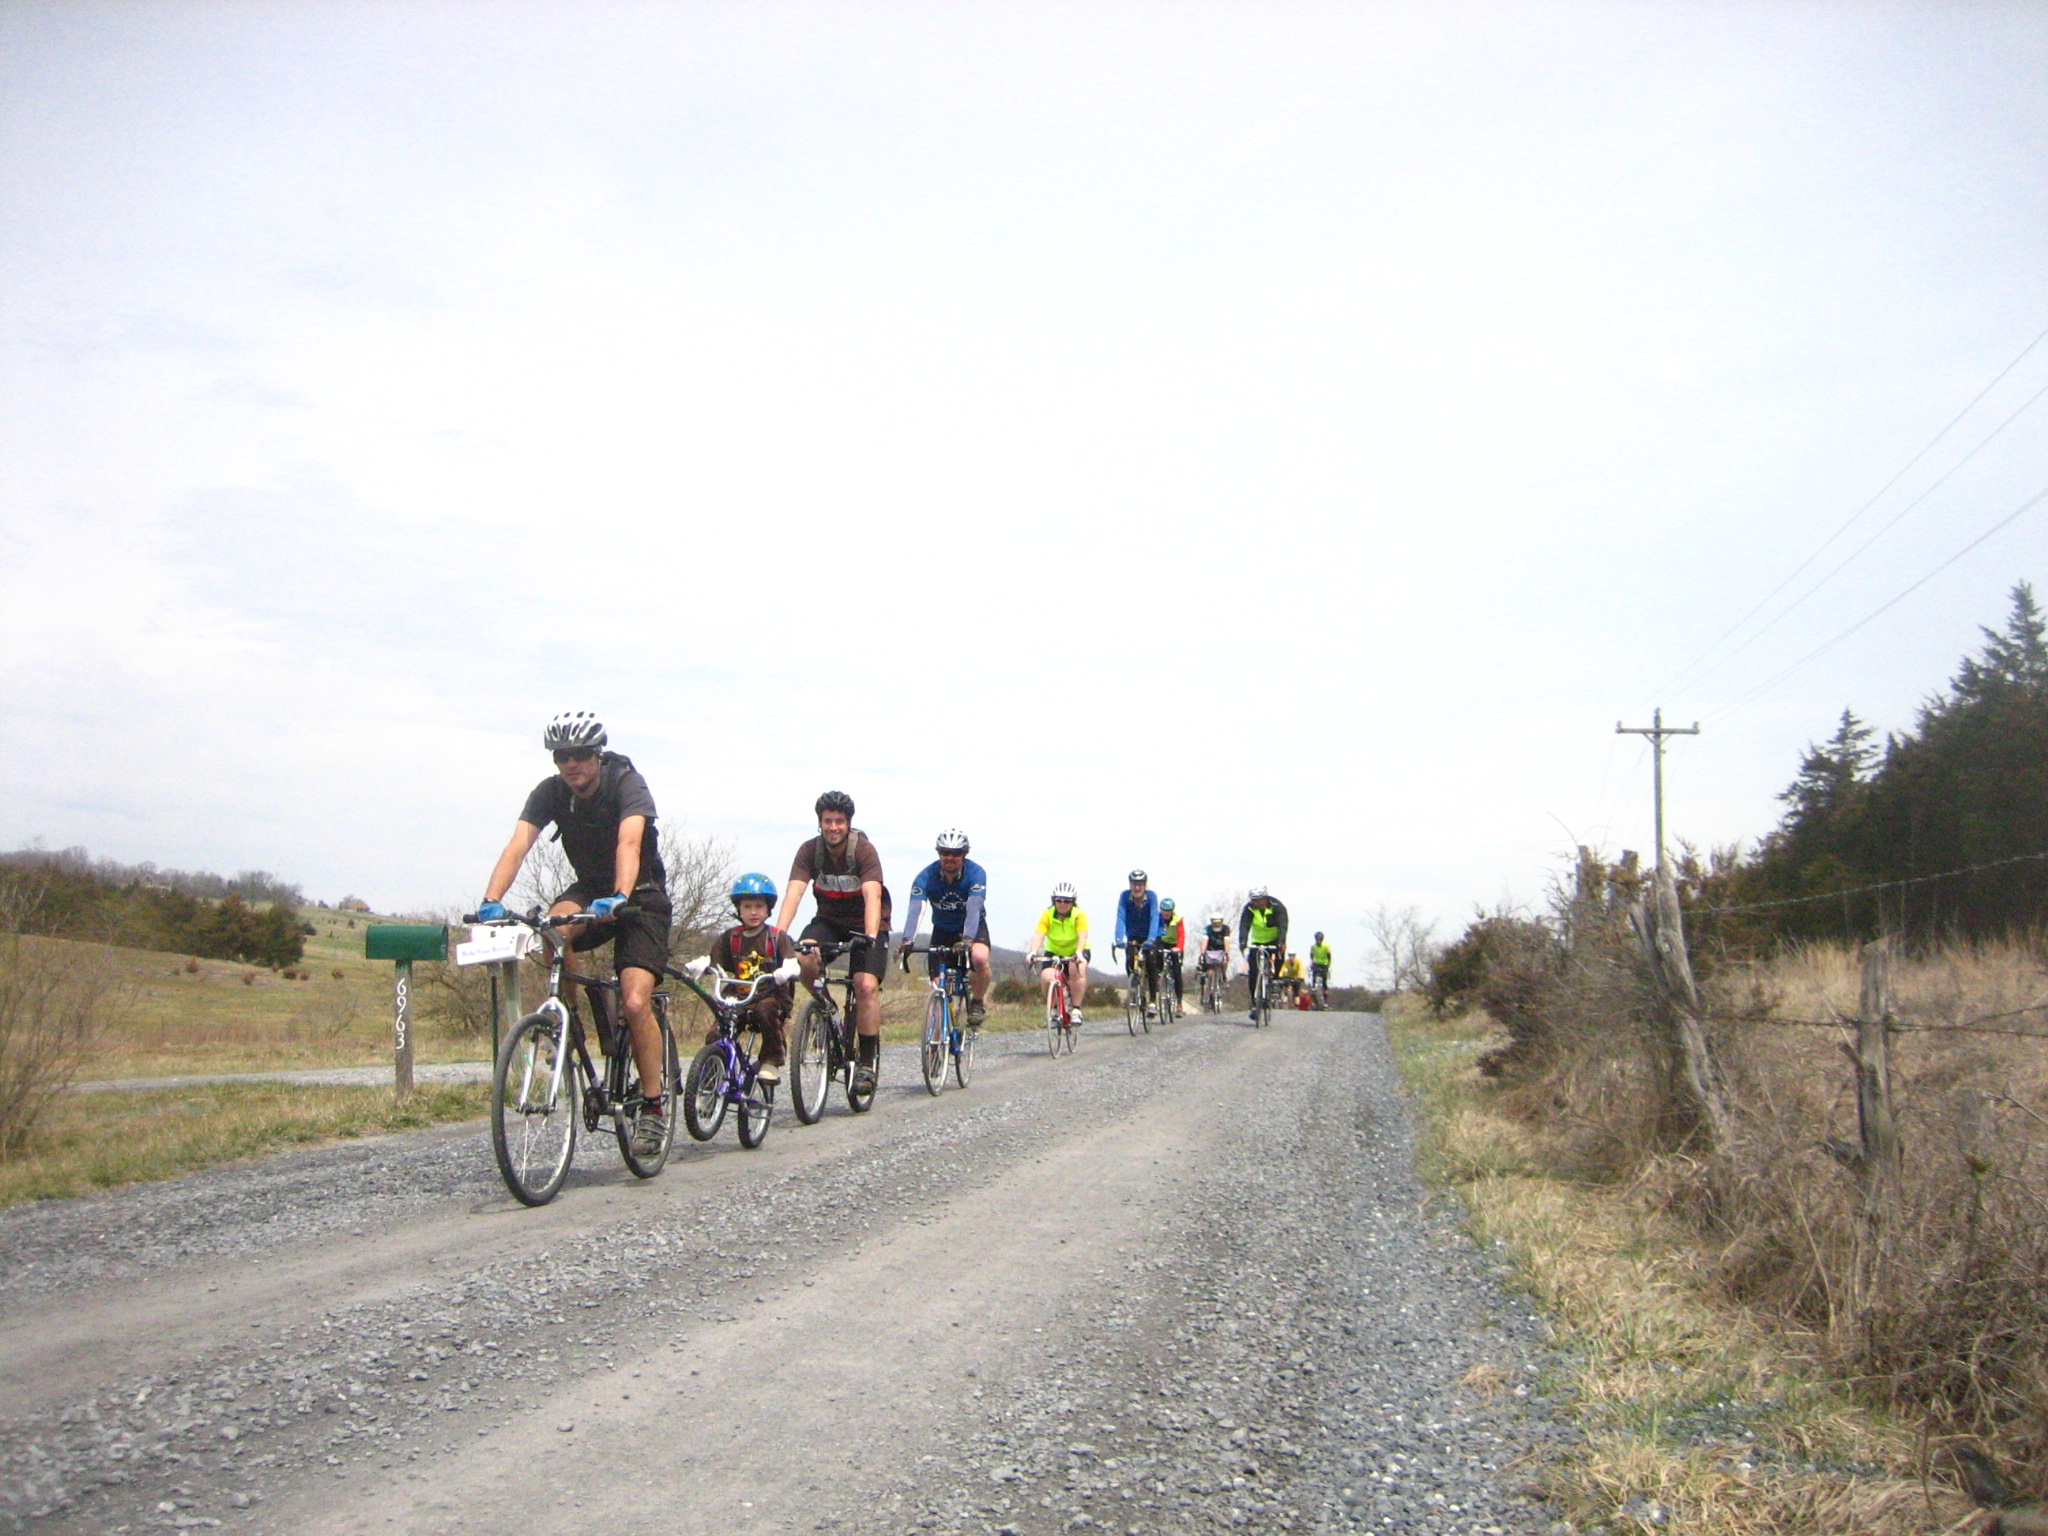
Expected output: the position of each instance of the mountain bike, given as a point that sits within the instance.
(944, 1010)
(1263, 982)
(824, 1047)
(1060, 1028)
(544, 1083)
(1212, 988)
(725, 1075)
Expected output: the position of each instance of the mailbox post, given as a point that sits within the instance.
(404, 943)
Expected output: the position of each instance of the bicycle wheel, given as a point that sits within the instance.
(1262, 1000)
(751, 1115)
(933, 1055)
(810, 1062)
(648, 1166)
(963, 1062)
(1169, 1001)
(861, 1100)
(534, 1109)
(1055, 1010)
(704, 1093)
(1134, 1003)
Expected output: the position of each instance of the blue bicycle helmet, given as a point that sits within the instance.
(753, 884)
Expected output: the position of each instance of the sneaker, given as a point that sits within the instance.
(650, 1134)
(1074, 1018)
(976, 1014)
(770, 1073)
(863, 1079)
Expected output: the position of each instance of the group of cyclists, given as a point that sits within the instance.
(604, 817)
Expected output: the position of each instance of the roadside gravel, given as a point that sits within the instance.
(1171, 1283)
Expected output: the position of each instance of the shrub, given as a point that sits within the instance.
(338, 973)
(248, 978)
(50, 1006)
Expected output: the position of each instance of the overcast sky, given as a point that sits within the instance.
(1267, 443)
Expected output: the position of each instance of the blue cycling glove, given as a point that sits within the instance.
(491, 912)
(605, 906)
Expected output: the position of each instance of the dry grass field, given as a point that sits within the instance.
(1748, 1356)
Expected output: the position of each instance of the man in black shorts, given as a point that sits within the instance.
(604, 816)
(852, 902)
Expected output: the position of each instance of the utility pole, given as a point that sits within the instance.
(1657, 730)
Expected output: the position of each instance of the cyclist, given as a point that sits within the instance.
(1137, 928)
(1062, 936)
(852, 903)
(1263, 921)
(1173, 944)
(957, 888)
(603, 813)
(1319, 965)
(745, 950)
(1291, 975)
(1216, 946)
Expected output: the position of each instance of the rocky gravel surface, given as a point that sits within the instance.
(1181, 1282)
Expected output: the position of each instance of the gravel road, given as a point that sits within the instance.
(1181, 1282)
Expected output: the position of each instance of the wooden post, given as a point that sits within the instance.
(401, 1029)
(1877, 1166)
(507, 991)
(1660, 925)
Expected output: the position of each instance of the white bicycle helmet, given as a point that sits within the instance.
(1065, 891)
(952, 840)
(1137, 877)
(1259, 893)
(574, 728)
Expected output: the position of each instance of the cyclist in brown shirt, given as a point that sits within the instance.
(852, 902)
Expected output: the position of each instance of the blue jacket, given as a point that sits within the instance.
(1137, 924)
(956, 904)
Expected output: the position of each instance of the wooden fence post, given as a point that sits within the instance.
(1660, 925)
(1877, 1160)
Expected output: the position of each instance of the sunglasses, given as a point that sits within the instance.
(574, 755)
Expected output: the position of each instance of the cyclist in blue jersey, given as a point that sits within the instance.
(957, 889)
(1137, 925)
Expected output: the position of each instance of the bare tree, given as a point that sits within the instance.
(699, 880)
(1401, 947)
(53, 1000)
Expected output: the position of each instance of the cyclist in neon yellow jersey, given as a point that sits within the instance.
(1062, 934)
(1263, 921)
(1319, 963)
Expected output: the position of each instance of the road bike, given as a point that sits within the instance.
(1213, 984)
(1143, 997)
(1263, 982)
(824, 1048)
(1169, 986)
(1060, 1028)
(725, 1075)
(544, 1085)
(946, 1036)
(1319, 988)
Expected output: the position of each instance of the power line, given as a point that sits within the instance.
(1864, 890)
(1857, 553)
(1814, 655)
(1679, 680)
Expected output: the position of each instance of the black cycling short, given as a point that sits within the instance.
(641, 934)
(874, 959)
(941, 940)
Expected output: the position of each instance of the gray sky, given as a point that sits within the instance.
(1268, 443)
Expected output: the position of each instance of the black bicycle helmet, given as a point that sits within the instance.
(834, 800)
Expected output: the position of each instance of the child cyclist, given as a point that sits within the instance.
(744, 951)
(1062, 937)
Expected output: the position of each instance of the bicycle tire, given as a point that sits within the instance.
(533, 1127)
(1055, 1011)
(648, 1167)
(704, 1093)
(810, 1064)
(1134, 1003)
(1262, 999)
(932, 1056)
(752, 1114)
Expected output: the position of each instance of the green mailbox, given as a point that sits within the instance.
(404, 943)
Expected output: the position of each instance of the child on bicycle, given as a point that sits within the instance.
(744, 951)
(1062, 937)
